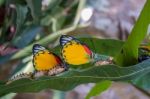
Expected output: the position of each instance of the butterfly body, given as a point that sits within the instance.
(74, 52)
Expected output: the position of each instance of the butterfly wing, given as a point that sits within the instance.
(65, 39)
(73, 51)
(44, 59)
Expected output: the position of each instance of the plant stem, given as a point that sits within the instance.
(78, 14)
(27, 50)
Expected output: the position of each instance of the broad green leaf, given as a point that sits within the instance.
(98, 88)
(103, 46)
(72, 78)
(143, 81)
(129, 53)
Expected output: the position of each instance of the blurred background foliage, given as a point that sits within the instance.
(28, 21)
(25, 22)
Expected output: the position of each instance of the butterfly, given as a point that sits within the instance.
(144, 53)
(46, 62)
(75, 52)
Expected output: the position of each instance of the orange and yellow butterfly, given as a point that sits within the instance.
(46, 62)
(74, 52)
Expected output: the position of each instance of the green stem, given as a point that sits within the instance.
(78, 14)
(27, 50)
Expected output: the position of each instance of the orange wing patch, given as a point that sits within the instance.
(74, 52)
(45, 60)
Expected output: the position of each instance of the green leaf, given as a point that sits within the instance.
(53, 4)
(2, 2)
(72, 78)
(98, 88)
(27, 36)
(21, 16)
(129, 53)
(108, 47)
(143, 81)
(46, 21)
(35, 7)
(58, 19)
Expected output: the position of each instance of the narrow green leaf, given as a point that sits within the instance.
(27, 36)
(98, 88)
(46, 21)
(143, 81)
(35, 7)
(129, 53)
(21, 16)
(72, 78)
